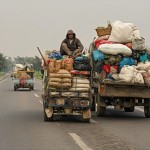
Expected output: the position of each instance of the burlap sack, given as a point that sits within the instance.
(51, 65)
(66, 80)
(65, 85)
(84, 95)
(80, 80)
(68, 64)
(78, 85)
(58, 65)
(64, 74)
(54, 79)
(55, 84)
(69, 94)
(79, 89)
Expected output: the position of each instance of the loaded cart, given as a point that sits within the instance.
(23, 79)
(117, 93)
(66, 93)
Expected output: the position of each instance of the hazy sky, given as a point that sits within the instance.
(26, 24)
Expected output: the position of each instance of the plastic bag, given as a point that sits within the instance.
(97, 55)
(126, 61)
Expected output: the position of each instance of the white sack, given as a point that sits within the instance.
(121, 32)
(115, 49)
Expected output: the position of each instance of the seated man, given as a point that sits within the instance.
(71, 46)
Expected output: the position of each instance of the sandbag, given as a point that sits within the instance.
(54, 79)
(77, 85)
(79, 89)
(68, 63)
(66, 80)
(60, 74)
(69, 94)
(51, 65)
(84, 95)
(115, 49)
(80, 80)
(58, 65)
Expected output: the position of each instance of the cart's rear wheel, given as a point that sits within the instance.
(46, 119)
(147, 108)
(100, 111)
(15, 88)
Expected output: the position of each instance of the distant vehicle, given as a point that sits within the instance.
(23, 79)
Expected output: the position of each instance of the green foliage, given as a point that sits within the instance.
(36, 61)
(5, 63)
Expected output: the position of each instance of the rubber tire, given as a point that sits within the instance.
(32, 87)
(147, 108)
(46, 119)
(86, 120)
(15, 88)
(129, 109)
(147, 111)
(93, 105)
(100, 111)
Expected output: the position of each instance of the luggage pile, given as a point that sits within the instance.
(118, 52)
(20, 71)
(68, 75)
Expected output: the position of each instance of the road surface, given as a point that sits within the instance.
(22, 126)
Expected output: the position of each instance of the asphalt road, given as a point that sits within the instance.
(22, 126)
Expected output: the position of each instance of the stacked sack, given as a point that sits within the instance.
(118, 50)
(59, 76)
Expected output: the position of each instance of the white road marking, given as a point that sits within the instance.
(79, 142)
(41, 102)
(140, 109)
(36, 95)
(58, 124)
(93, 121)
(2, 81)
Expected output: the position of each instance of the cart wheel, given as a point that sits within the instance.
(100, 111)
(30, 88)
(147, 108)
(46, 119)
(15, 88)
(86, 120)
(147, 111)
(33, 87)
(129, 109)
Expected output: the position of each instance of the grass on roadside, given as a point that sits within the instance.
(37, 75)
(2, 73)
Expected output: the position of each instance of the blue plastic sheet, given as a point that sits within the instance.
(56, 55)
(126, 61)
(97, 55)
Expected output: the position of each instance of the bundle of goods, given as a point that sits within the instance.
(82, 63)
(80, 85)
(61, 79)
(67, 75)
(21, 74)
(118, 51)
